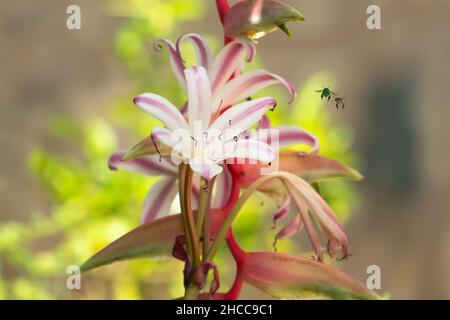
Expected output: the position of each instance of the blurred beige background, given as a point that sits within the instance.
(399, 107)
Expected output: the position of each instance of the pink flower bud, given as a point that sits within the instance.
(255, 18)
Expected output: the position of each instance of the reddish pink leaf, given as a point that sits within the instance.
(292, 277)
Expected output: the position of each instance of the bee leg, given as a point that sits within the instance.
(329, 97)
(321, 96)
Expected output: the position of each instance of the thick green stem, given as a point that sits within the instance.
(202, 206)
(190, 235)
(192, 292)
(190, 219)
(203, 213)
(181, 178)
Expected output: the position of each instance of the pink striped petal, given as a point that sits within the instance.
(159, 199)
(222, 189)
(201, 48)
(291, 135)
(227, 62)
(161, 109)
(310, 231)
(205, 169)
(251, 149)
(147, 165)
(247, 84)
(175, 60)
(199, 96)
(242, 116)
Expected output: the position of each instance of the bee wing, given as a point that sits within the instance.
(318, 90)
(334, 93)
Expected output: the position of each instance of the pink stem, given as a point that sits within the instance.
(237, 252)
(222, 7)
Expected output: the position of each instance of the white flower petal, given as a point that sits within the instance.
(252, 149)
(229, 60)
(206, 169)
(247, 84)
(161, 109)
(242, 116)
(199, 97)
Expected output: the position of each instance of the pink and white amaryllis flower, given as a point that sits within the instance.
(228, 84)
(205, 139)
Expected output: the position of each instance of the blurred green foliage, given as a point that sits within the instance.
(90, 206)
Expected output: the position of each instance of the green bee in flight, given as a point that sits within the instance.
(328, 94)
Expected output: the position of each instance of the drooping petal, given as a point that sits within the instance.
(175, 60)
(291, 277)
(242, 116)
(206, 169)
(199, 96)
(227, 62)
(147, 165)
(306, 219)
(201, 48)
(291, 135)
(222, 189)
(161, 109)
(247, 84)
(292, 228)
(282, 210)
(159, 199)
(303, 193)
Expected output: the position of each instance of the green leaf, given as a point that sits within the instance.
(291, 277)
(154, 240)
